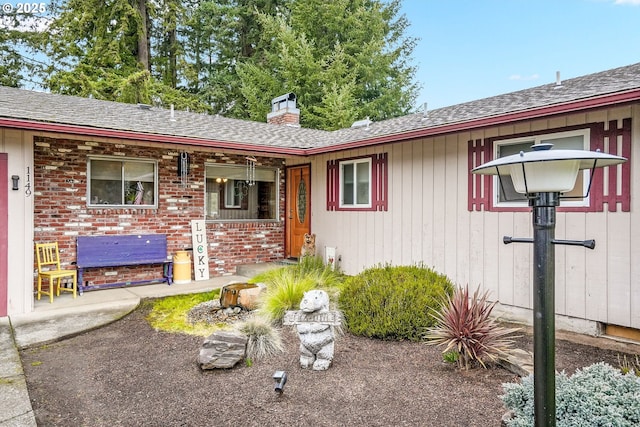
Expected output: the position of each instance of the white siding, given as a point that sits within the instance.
(19, 148)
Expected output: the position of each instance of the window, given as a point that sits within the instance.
(235, 190)
(230, 196)
(120, 182)
(355, 188)
(574, 140)
(357, 183)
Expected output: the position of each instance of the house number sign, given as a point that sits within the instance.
(200, 254)
(28, 184)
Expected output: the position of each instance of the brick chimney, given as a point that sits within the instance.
(284, 111)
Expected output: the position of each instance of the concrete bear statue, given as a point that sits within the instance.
(316, 339)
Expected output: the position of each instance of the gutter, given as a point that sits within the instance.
(141, 136)
(618, 98)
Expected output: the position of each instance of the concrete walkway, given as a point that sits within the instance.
(67, 317)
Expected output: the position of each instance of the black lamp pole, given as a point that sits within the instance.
(544, 377)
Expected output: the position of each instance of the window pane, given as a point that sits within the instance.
(507, 190)
(138, 181)
(106, 182)
(229, 197)
(363, 175)
(234, 190)
(347, 184)
(120, 182)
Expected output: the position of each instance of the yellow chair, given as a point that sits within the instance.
(48, 258)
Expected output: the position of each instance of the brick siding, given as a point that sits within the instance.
(61, 212)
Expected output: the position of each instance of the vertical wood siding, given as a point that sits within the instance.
(428, 221)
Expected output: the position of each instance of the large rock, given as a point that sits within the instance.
(222, 350)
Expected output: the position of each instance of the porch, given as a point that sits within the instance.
(68, 316)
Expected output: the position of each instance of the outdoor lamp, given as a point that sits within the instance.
(280, 378)
(543, 175)
(546, 170)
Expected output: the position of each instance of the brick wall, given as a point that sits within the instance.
(61, 212)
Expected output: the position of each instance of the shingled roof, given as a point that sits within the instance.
(68, 114)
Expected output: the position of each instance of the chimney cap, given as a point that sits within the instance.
(288, 100)
(286, 97)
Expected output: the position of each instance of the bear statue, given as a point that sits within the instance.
(316, 339)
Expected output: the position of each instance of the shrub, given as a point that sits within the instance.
(284, 292)
(306, 267)
(392, 302)
(263, 339)
(464, 325)
(286, 285)
(598, 395)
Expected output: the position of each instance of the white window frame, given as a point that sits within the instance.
(91, 203)
(342, 181)
(537, 139)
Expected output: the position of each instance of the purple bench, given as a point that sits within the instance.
(121, 251)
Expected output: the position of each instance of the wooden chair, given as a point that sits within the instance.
(48, 258)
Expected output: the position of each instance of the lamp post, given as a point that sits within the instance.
(543, 175)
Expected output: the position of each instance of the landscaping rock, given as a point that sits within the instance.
(222, 350)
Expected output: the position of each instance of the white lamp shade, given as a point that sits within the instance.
(559, 175)
(546, 170)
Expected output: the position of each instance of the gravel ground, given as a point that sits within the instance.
(127, 374)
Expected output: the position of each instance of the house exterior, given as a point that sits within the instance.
(397, 191)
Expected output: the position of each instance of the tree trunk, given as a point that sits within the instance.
(144, 57)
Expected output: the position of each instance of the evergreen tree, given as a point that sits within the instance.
(345, 60)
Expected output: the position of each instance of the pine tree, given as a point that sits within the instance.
(344, 59)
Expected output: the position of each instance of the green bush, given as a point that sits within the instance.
(285, 286)
(598, 395)
(284, 292)
(393, 302)
(307, 267)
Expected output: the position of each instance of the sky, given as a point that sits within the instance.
(473, 49)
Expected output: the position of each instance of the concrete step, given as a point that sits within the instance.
(251, 270)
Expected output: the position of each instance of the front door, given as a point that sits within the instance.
(298, 214)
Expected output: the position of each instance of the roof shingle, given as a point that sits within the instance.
(43, 107)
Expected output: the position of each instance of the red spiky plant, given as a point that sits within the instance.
(464, 326)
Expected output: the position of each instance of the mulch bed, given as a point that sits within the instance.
(127, 374)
